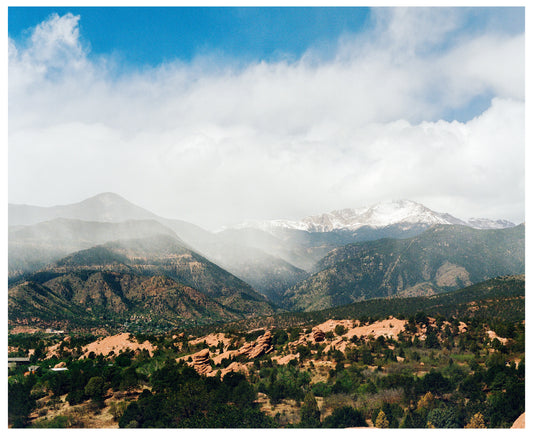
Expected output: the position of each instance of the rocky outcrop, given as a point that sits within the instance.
(318, 335)
(233, 367)
(200, 362)
(261, 346)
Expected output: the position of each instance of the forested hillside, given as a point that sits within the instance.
(443, 258)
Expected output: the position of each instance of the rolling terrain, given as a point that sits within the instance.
(497, 299)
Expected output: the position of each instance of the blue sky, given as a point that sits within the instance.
(216, 115)
(150, 36)
(145, 37)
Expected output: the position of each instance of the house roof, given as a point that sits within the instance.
(18, 359)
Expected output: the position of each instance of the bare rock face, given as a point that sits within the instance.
(260, 347)
(318, 335)
(200, 362)
(246, 349)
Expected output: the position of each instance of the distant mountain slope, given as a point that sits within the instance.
(267, 274)
(164, 255)
(443, 258)
(34, 246)
(304, 242)
(105, 207)
(92, 298)
(501, 298)
(304, 249)
(497, 299)
(40, 235)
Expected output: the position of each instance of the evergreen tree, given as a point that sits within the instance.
(412, 419)
(310, 414)
(444, 418)
(345, 417)
(20, 402)
(95, 389)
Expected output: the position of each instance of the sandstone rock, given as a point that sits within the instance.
(246, 349)
(235, 367)
(520, 422)
(260, 347)
(200, 362)
(318, 335)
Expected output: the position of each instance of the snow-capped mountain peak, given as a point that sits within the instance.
(380, 215)
(488, 224)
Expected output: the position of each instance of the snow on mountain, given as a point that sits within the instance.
(487, 224)
(379, 215)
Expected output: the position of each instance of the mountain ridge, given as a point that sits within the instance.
(28, 254)
(440, 259)
(378, 215)
(157, 278)
(270, 260)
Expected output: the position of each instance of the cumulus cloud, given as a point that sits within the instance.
(215, 142)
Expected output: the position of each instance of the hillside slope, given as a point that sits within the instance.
(200, 282)
(100, 298)
(41, 235)
(500, 299)
(445, 257)
(32, 247)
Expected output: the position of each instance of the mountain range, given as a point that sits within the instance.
(40, 235)
(397, 248)
(380, 215)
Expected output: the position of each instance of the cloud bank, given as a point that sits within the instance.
(216, 142)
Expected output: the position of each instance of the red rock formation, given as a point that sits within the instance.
(520, 422)
(260, 347)
(318, 335)
(200, 362)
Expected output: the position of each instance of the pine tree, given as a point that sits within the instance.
(310, 414)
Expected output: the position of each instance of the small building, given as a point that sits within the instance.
(34, 369)
(18, 360)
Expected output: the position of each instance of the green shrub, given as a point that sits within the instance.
(345, 417)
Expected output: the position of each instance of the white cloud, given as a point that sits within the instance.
(405, 31)
(214, 143)
(487, 63)
(57, 40)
